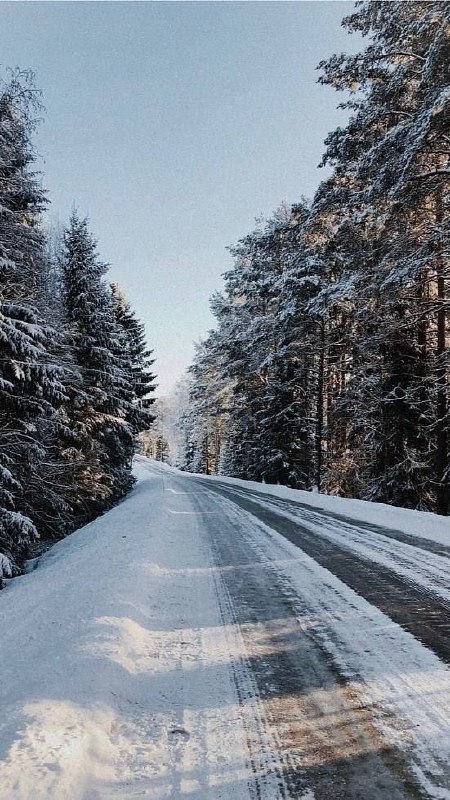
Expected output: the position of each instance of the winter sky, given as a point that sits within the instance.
(173, 125)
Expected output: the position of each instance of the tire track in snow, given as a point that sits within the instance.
(326, 742)
(315, 515)
(414, 608)
(263, 759)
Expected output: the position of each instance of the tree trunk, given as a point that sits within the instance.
(319, 411)
(442, 500)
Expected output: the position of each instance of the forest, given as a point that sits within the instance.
(75, 371)
(328, 368)
(237, 588)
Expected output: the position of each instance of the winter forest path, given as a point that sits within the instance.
(207, 642)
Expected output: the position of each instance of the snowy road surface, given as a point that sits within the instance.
(208, 641)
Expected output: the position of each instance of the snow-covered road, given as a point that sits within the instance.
(203, 640)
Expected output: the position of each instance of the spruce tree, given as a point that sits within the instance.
(30, 387)
(98, 409)
(137, 362)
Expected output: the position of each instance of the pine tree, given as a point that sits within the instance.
(99, 403)
(137, 362)
(329, 364)
(249, 411)
(30, 387)
(391, 177)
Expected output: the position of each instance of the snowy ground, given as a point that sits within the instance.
(217, 639)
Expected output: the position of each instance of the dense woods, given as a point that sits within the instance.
(328, 368)
(329, 363)
(75, 373)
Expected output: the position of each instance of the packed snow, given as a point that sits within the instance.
(116, 670)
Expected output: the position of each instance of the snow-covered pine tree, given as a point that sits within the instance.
(137, 362)
(250, 401)
(332, 333)
(333, 256)
(245, 337)
(274, 281)
(233, 351)
(207, 407)
(99, 404)
(392, 177)
(301, 351)
(30, 387)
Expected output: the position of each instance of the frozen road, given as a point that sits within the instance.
(205, 641)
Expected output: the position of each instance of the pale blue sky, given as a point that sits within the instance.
(173, 125)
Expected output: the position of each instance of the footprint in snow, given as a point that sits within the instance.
(179, 734)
